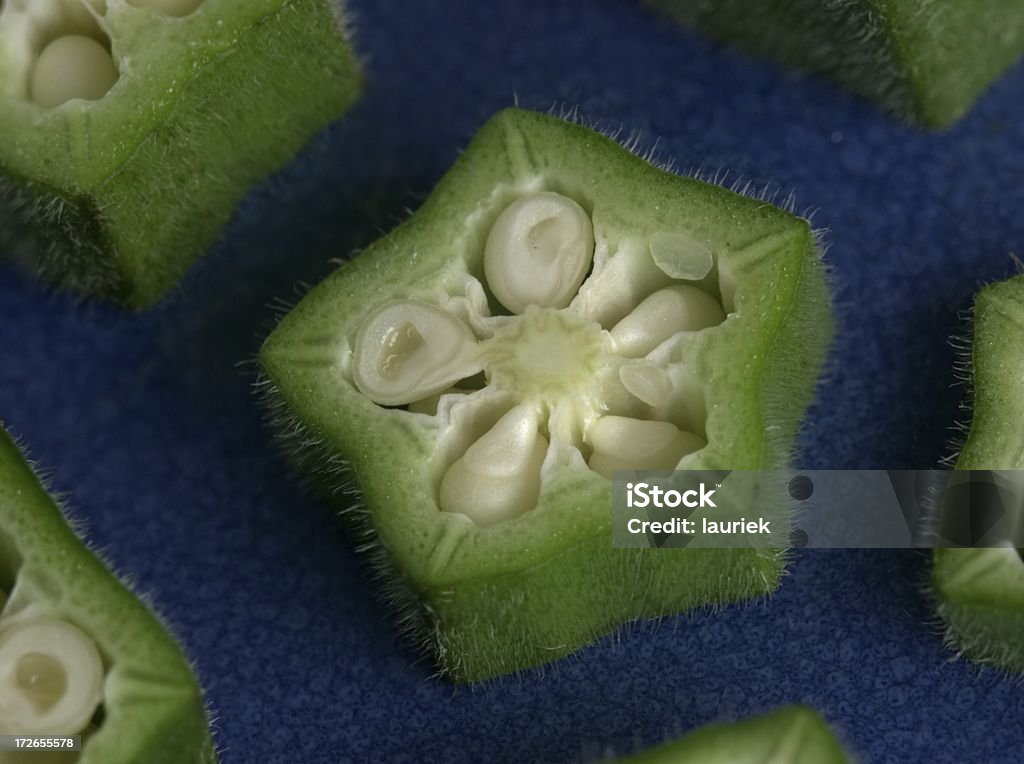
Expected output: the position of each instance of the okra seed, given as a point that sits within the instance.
(498, 477)
(646, 382)
(406, 351)
(623, 443)
(170, 7)
(538, 252)
(42, 679)
(70, 67)
(664, 314)
(51, 678)
(681, 256)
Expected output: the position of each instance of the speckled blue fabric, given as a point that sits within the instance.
(150, 424)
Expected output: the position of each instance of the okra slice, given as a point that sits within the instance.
(980, 592)
(789, 735)
(926, 61)
(79, 654)
(558, 309)
(132, 128)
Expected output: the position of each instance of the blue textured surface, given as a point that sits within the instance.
(150, 424)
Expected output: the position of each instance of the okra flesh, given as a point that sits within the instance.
(79, 654)
(980, 592)
(132, 128)
(486, 367)
(789, 735)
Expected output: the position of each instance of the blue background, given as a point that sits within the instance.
(150, 424)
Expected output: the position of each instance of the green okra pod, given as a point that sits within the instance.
(926, 60)
(132, 128)
(789, 735)
(557, 310)
(79, 653)
(980, 592)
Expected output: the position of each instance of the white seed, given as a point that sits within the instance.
(664, 314)
(681, 256)
(646, 382)
(539, 252)
(406, 351)
(170, 7)
(51, 678)
(70, 67)
(621, 443)
(498, 478)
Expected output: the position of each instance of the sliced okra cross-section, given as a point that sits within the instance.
(79, 653)
(132, 128)
(789, 735)
(980, 592)
(558, 309)
(925, 61)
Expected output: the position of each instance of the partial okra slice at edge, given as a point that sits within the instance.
(925, 61)
(788, 735)
(557, 310)
(132, 128)
(79, 653)
(980, 592)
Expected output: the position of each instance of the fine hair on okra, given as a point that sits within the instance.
(557, 310)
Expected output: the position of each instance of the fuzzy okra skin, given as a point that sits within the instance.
(789, 735)
(556, 310)
(926, 60)
(173, 109)
(76, 645)
(980, 592)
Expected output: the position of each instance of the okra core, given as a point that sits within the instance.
(558, 389)
(51, 678)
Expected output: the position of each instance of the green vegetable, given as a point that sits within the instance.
(980, 592)
(557, 309)
(789, 735)
(79, 654)
(131, 130)
(926, 60)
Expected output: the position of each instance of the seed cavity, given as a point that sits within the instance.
(623, 443)
(169, 7)
(681, 256)
(664, 314)
(72, 67)
(51, 678)
(498, 478)
(538, 252)
(406, 351)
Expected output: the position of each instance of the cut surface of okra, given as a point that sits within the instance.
(79, 653)
(789, 735)
(923, 60)
(132, 128)
(557, 310)
(980, 592)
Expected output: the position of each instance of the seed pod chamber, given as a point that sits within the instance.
(117, 195)
(979, 593)
(59, 602)
(486, 598)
